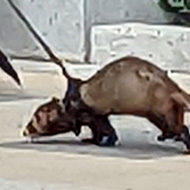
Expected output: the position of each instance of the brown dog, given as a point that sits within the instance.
(136, 87)
(51, 119)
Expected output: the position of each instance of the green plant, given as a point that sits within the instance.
(167, 7)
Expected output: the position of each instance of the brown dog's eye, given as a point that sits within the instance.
(48, 110)
(37, 118)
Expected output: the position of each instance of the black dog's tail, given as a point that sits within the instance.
(7, 67)
(47, 49)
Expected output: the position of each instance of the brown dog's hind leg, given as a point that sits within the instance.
(171, 124)
(160, 122)
(175, 120)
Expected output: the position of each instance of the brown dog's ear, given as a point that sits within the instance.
(56, 100)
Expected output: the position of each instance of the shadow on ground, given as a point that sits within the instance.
(133, 144)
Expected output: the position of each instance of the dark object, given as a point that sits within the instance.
(167, 7)
(7, 67)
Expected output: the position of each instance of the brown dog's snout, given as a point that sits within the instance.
(29, 130)
(25, 133)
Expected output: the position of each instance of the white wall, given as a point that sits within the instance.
(59, 22)
(99, 12)
(13, 37)
(167, 46)
(64, 23)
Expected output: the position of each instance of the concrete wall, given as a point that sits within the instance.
(59, 22)
(13, 36)
(166, 46)
(66, 24)
(115, 12)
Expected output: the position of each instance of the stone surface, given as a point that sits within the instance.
(164, 45)
(63, 161)
(60, 23)
(66, 25)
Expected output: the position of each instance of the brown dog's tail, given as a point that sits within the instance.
(47, 49)
(182, 98)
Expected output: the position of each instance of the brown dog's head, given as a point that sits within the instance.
(50, 119)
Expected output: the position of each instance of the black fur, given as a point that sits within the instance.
(103, 133)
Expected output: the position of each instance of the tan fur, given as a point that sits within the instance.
(132, 85)
(135, 86)
(181, 98)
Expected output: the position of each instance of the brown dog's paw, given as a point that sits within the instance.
(186, 152)
(89, 141)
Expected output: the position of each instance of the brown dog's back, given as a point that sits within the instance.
(129, 86)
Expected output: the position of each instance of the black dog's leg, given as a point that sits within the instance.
(168, 135)
(185, 137)
(102, 131)
(108, 137)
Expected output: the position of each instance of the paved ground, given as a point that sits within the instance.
(139, 162)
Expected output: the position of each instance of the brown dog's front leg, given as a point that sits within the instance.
(102, 131)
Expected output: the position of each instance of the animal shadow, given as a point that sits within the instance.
(133, 144)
